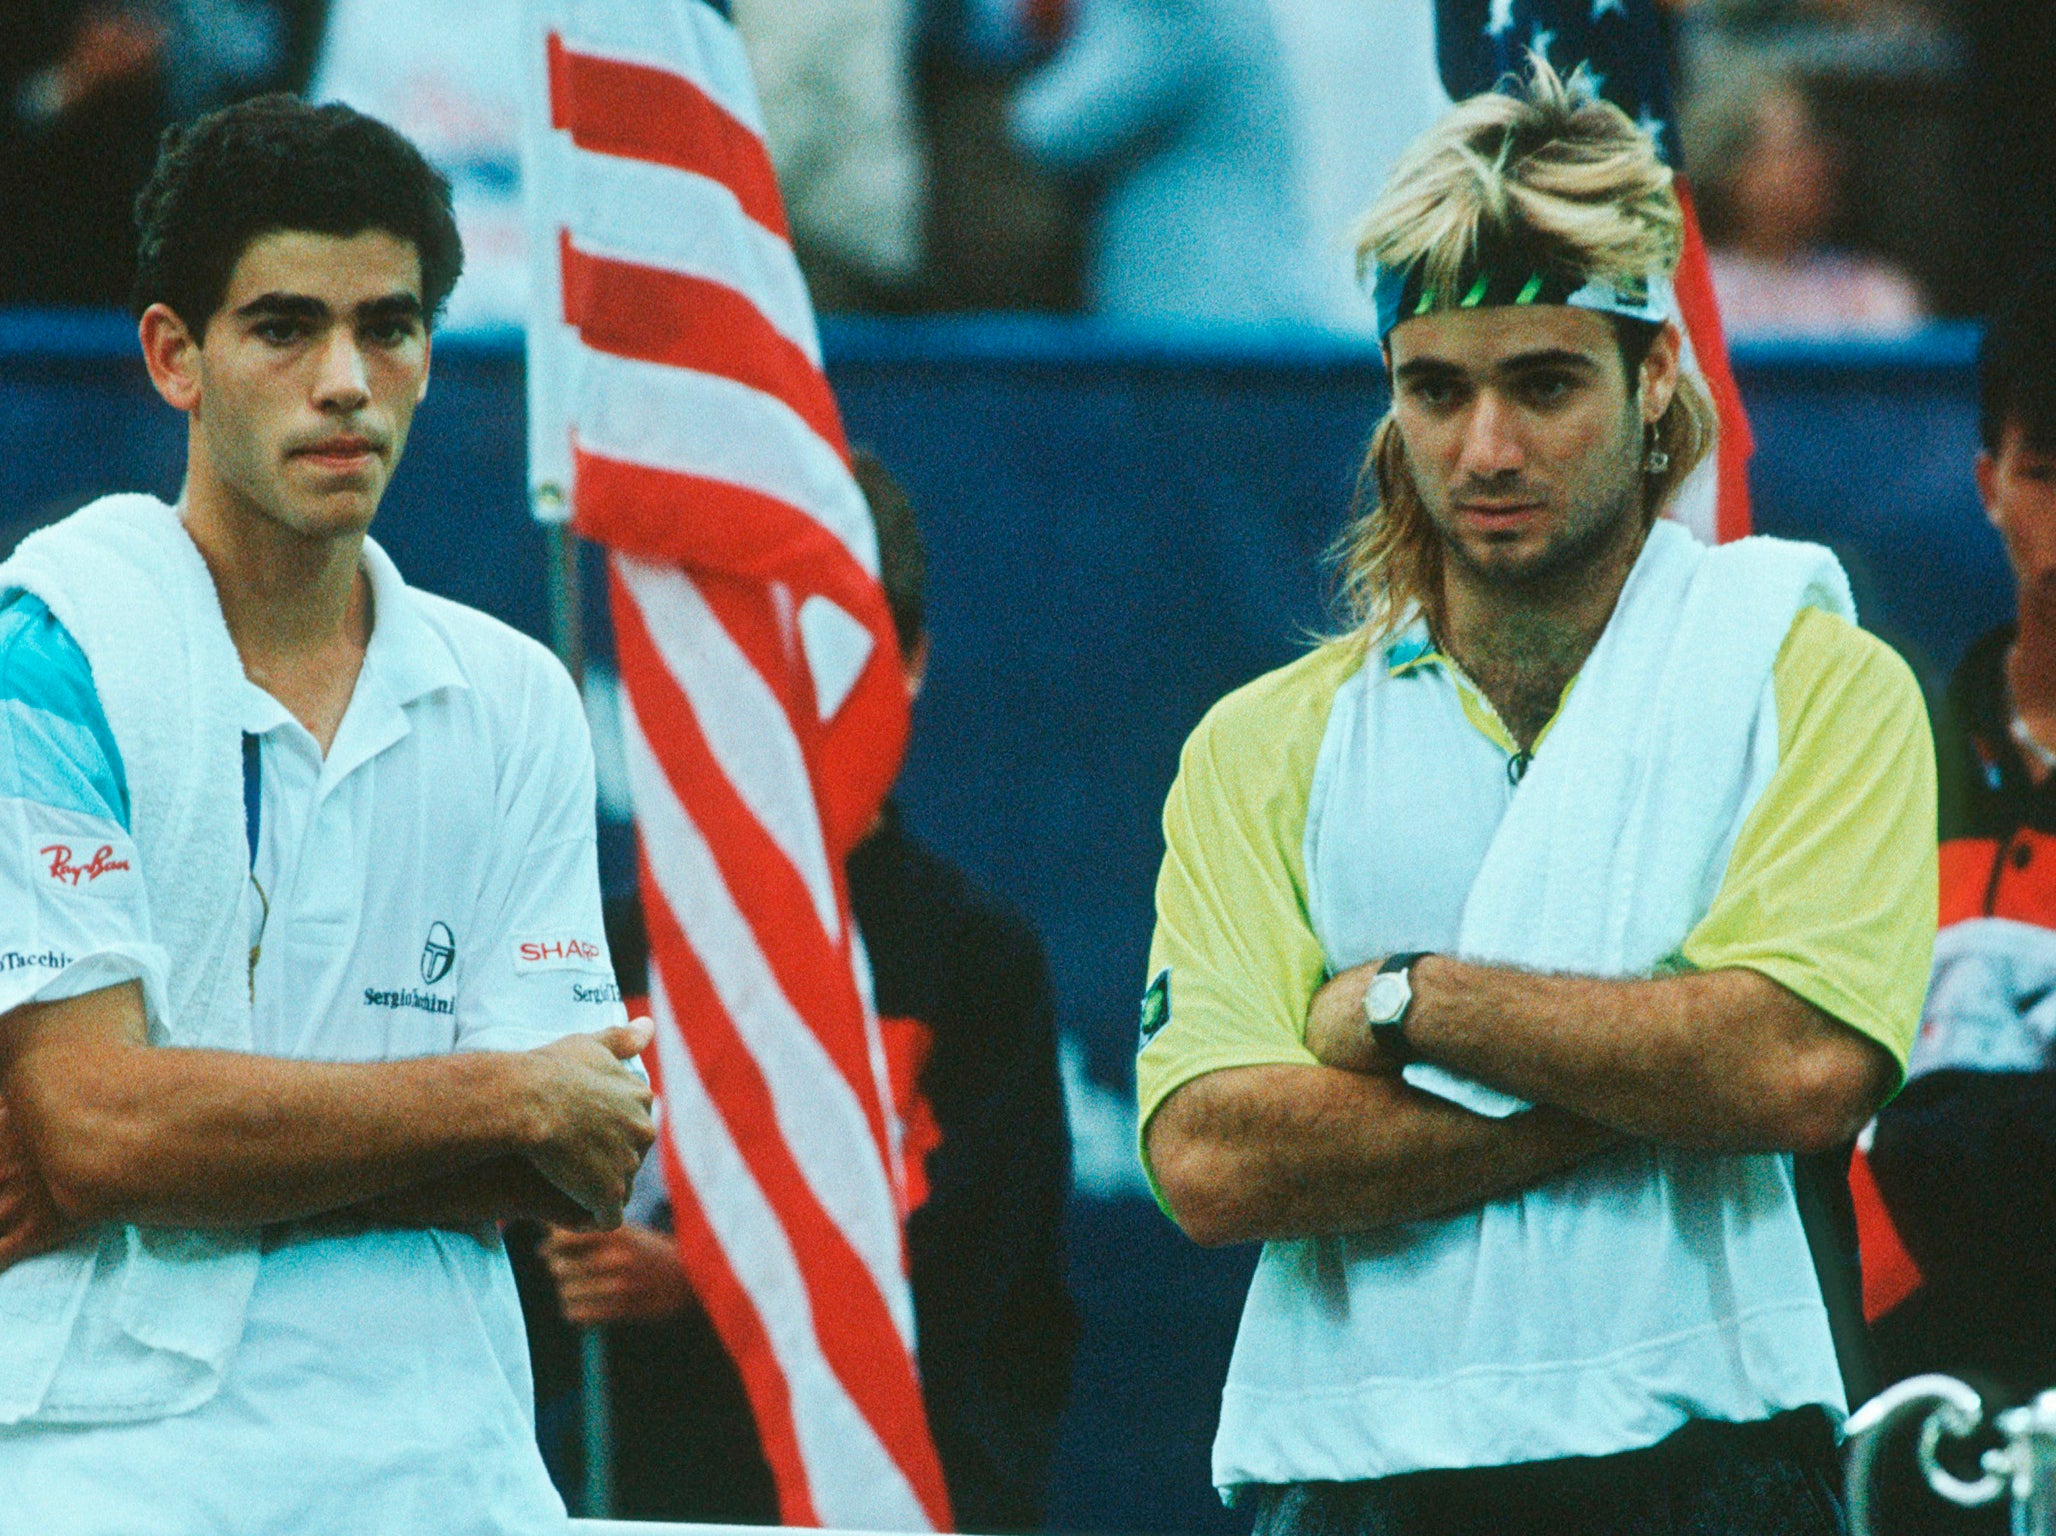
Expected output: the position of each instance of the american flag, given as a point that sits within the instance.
(677, 391)
(1625, 47)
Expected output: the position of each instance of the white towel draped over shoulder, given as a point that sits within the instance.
(1596, 1311)
(1619, 837)
(131, 1323)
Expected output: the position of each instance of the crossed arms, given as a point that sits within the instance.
(98, 1125)
(1725, 1060)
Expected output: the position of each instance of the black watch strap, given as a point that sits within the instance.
(1390, 1037)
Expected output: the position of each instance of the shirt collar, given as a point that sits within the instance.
(1411, 648)
(407, 653)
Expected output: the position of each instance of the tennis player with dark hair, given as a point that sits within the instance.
(302, 979)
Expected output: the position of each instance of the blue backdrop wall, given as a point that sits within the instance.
(1122, 526)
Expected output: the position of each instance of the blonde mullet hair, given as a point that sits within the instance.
(1558, 171)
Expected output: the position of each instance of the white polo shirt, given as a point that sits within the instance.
(431, 886)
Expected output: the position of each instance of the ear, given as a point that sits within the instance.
(1986, 472)
(1658, 383)
(915, 668)
(172, 355)
(427, 357)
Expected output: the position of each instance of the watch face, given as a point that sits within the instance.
(1386, 997)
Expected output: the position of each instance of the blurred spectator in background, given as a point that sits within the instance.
(1768, 184)
(1966, 1156)
(2013, 128)
(963, 999)
(1180, 110)
(449, 74)
(219, 51)
(1885, 82)
(835, 78)
(1363, 84)
(1003, 232)
(84, 105)
(86, 86)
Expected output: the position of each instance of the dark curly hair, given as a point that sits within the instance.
(2016, 365)
(275, 163)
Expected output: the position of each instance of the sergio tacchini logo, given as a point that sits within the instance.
(438, 954)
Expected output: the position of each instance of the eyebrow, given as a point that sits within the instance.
(300, 306)
(1520, 362)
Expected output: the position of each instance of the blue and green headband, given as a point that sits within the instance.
(1400, 293)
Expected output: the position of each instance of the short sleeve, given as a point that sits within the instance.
(544, 972)
(1234, 961)
(1831, 889)
(74, 916)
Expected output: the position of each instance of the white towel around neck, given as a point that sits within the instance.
(1619, 835)
(131, 1323)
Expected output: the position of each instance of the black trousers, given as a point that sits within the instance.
(1778, 1477)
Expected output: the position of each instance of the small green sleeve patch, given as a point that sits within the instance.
(1156, 1007)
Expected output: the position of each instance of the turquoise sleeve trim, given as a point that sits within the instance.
(56, 747)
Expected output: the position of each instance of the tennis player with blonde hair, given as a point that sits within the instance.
(1523, 953)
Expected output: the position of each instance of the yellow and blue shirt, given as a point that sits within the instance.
(1338, 809)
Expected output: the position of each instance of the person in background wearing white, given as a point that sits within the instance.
(1769, 187)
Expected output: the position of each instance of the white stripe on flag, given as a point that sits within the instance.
(656, 216)
(819, 1116)
(747, 729)
(680, 37)
(694, 423)
(851, 1475)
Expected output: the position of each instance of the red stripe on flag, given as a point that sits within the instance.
(851, 1322)
(813, 971)
(736, 1320)
(713, 528)
(666, 517)
(1700, 311)
(859, 752)
(853, 759)
(653, 316)
(640, 113)
(559, 83)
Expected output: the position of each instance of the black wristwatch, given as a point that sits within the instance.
(1387, 1002)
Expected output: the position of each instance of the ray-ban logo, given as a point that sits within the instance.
(66, 869)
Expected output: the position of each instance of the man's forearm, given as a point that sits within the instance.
(1288, 1151)
(499, 1189)
(1724, 1060)
(124, 1131)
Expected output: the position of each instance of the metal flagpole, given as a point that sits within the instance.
(567, 639)
(553, 359)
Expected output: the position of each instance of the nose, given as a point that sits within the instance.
(1491, 444)
(341, 381)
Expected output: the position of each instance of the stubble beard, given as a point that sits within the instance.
(1567, 556)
